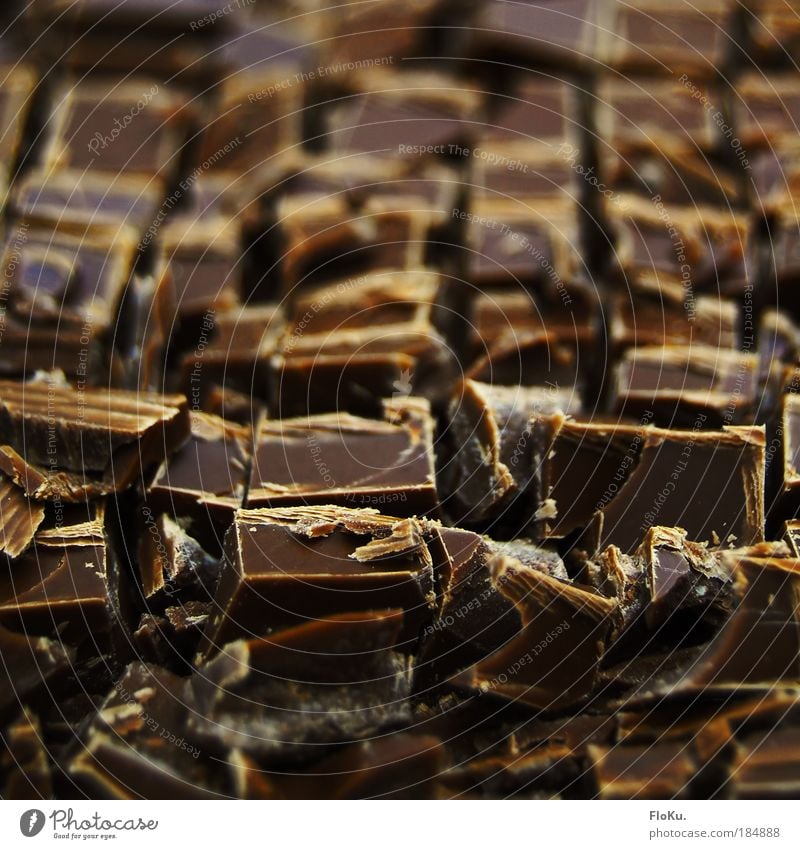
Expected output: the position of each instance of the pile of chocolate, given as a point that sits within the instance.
(398, 399)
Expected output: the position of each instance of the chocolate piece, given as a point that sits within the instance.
(766, 766)
(136, 745)
(235, 358)
(258, 695)
(636, 112)
(111, 435)
(66, 283)
(284, 566)
(766, 111)
(524, 171)
(411, 114)
(135, 126)
(493, 430)
(350, 461)
(173, 567)
(205, 479)
(663, 770)
(678, 384)
(29, 665)
(689, 36)
(170, 640)
(24, 764)
(19, 518)
(72, 587)
(554, 660)
(719, 473)
(563, 33)
(476, 617)
(791, 535)
(774, 32)
(84, 203)
(18, 86)
(790, 431)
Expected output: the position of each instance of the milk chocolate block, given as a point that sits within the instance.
(539, 109)
(513, 243)
(258, 695)
(661, 770)
(657, 312)
(352, 370)
(774, 33)
(709, 482)
(173, 566)
(671, 592)
(689, 36)
(493, 431)
(475, 616)
(706, 251)
(204, 480)
(235, 358)
(766, 111)
(256, 120)
(70, 283)
(564, 33)
(29, 664)
(20, 517)
(413, 114)
(554, 659)
(525, 171)
(136, 126)
(87, 203)
(784, 235)
(791, 536)
(287, 566)
(136, 747)
(72, 588)
(205, 270)
(100, 435)
(766, 766)
(19, 82)
(636, 113)
(341, 459)
(676, 384)
(24, 766)
(677, 175)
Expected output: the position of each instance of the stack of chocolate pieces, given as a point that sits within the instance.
(397, 400)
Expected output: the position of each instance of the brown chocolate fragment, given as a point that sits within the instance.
(19, 518)
(341, 459)
(554, 659)
(662, 770)
(259, 695)
(108, 434)
(766, 766)
(136, 745)
(24, 764)
(290, 565)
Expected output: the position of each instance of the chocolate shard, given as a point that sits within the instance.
(205, 479)
(338, 458)
(171, 639)
(99, 434)
(173, 566)
(554, 660)
(291, 565)
(662, 770)
(475, 618)
(136, 744)
(24, 763)
(28, 665)
(493, 435)
(258, 695)
(766, 766)
(19, 518)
